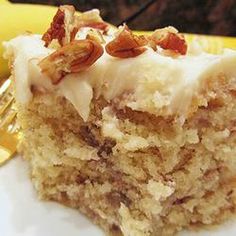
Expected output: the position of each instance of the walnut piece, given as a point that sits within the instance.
(169, 38)
(72, 58)
(126, 44)
(63, 27)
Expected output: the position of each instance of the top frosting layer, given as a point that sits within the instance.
(151, 82)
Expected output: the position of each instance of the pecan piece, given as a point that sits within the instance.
(71, 58)
(169, 38)
(126, 44)
(91, 19)
(95, 35)
(62, 28)
(106, 147)
(89, 136)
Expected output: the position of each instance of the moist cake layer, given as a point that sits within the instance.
(158, 178)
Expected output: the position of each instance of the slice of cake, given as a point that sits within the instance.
(137, 132)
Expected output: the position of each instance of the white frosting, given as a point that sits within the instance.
(79, 92)
(152, 82)
(26, 52)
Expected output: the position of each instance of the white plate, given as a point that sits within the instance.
(22, 214)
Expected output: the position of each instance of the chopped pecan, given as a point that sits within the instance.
(126, 44)
(117, 197)
(169, 38)
(115, 230)
(71, 58)
(180, 201)
(91, 19)
(63, 28)
(88, 135)
(95, 35)
(105, 148)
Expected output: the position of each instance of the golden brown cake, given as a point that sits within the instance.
(137, 132)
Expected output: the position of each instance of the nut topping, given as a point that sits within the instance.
(96, 35)
(63, 28)
(126, 44)
(169, 38)
(91, 19)
(72, 58)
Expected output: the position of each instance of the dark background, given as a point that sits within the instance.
(217, 17)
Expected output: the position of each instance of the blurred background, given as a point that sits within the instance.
(216, 17)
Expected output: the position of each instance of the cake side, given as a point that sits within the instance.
(132, 172)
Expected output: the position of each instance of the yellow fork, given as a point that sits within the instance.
(8, 126)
